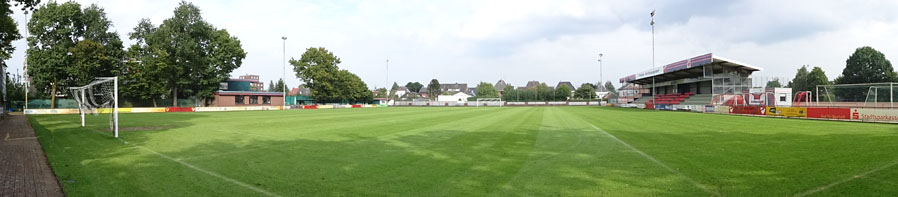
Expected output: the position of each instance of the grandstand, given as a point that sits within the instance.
(698, 81)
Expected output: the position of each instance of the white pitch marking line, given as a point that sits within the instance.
(849, 179)
(656, 161)
(248, 186)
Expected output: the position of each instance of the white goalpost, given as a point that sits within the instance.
(489, 102)
(99, 96)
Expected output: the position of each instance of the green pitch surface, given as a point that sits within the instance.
(536, 151)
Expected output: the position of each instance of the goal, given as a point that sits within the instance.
(99, 97)
(489, 102)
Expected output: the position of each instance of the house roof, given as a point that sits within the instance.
(532, 84)
(500, 85)
(462, 87)
(568, 83)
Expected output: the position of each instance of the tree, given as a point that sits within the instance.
(585, 91)
(318, 69)
(8, 26)
(414, 87)
(799, 83)
(773, 84)
(69, 46)
(271, 87)
(201, 55)
(610, 87)
(486, 90)
(280, 86)
(144, 74)
(433, 89)
(393, 90)
(381, 93)
(562, 92)
(509, 93)
(867, 65)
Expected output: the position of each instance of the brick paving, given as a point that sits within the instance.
(24, 170)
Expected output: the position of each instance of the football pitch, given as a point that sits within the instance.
(444, 151)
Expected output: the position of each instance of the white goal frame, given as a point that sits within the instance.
(488, 100)
(84, 105)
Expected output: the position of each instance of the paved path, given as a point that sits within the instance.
(24, 170)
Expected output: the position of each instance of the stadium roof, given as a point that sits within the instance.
(688, 68)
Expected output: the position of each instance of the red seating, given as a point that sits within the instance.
(672, 98)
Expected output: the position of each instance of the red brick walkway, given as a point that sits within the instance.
(24, 170)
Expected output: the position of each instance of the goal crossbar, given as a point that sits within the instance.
(86, 98)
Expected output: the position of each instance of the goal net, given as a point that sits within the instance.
(99, 97)
(880, 95)
(489, 102)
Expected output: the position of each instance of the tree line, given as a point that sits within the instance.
(184, 56)
(865, 65)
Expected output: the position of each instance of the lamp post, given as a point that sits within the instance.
(284, 73)
(601, 75)
(653, 55)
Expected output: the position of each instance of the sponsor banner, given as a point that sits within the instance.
(628, 78)
(179, 109)
(52, 111)
(577, 103)
(382, 105)
(556, 103)
(310, 107)
(711, 108)
(874, 115)
(325, 107)
(650, 73)
(752, 110)
(356, 106)
(829, 113)
(662, 107)
(147, 110)
(800, 112)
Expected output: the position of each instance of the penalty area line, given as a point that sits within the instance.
(849, 179)
(656, 161)
(210, 173)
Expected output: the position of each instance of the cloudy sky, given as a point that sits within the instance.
(469, 41)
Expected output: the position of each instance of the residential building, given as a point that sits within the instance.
(255, 84)
(245, 92)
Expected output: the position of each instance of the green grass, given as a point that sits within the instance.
(534, 151)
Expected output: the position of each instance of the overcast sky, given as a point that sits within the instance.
(469, 41)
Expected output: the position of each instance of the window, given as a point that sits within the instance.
(253, 99)
(238, 99)
(782, 98)
(266, 99)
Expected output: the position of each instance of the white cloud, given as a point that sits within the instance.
(471, 41)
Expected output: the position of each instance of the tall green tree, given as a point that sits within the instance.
(8, 26)
(562, 92)
(145, 67)
(414, 87)
(381, 93)
(867, 65)
(800, 82)
(773, 84)
(509, 93)
(68, 46)
(586, 91)
(393, 90)
(271, 87)
(201, 55)
(279, 86)
(433, 89)
(486, 90)
(318, 69)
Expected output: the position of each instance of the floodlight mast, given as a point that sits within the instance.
(653, 56)
(284, 74)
